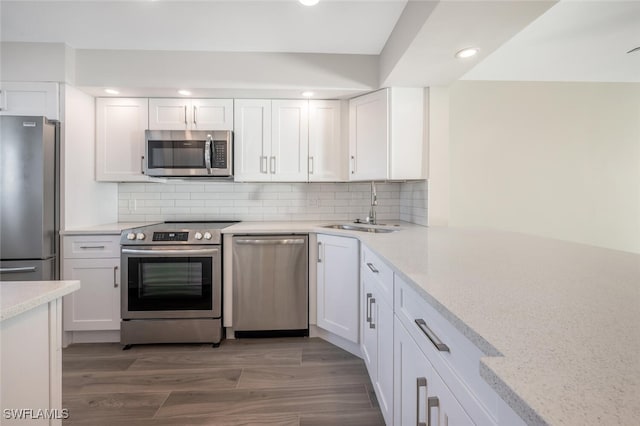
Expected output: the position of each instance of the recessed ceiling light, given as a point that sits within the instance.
(307, 94)
(112, 91)
(467, 52)
(309, 2)
(184, 92)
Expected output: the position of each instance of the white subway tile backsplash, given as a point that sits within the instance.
(183, 200)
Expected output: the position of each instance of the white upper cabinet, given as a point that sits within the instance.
(30, 99)
(327, 154)
(271, 140)
(190, 114)
(289, 140)
(386, 135)
(120, 126)
(252, 139)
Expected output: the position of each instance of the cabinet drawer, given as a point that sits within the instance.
(91, 246)
(375, 270)
(458, 364)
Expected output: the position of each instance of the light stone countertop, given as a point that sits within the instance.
(559, 321)
(105, 229)
(17, 297)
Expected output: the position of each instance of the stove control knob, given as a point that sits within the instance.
(198, 236)
(131, 236)
(140, 236)
(207, 235)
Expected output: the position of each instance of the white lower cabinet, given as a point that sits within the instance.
(421, 397)
(377, 330)
(96, 306)
(31, 365)
(337, 286)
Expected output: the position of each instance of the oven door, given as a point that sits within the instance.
(171, 282)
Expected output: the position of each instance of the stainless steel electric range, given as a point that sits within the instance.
(172, 276)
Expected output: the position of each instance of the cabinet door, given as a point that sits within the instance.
(170, 114)
(96, 306)
(212, 114)
(369, 333)
(120, 126)
(418, 389)
(29, 99)
(252, 139)
(384, 377)
(337, 288)
(369, 136)
(326, 152)
(290, 140)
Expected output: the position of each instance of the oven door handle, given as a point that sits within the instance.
(163, 252)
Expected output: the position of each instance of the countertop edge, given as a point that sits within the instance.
(67, 287)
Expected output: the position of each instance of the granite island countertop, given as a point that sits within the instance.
(17, 297)
(559, 321)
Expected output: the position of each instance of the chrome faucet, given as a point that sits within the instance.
(374, 202)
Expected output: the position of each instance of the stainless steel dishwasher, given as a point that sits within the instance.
(270, 285)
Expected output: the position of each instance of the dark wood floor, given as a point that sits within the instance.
(292, 381)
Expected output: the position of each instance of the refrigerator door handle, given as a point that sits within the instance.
(15, 270)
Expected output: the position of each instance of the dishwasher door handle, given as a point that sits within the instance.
(270, 242)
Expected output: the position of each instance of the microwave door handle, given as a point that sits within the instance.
(207, 154)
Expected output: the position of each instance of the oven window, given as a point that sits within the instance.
(170, 284)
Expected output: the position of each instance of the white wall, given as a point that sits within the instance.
(36, 62)
(438, 158)
(560, 160)
(85, 202)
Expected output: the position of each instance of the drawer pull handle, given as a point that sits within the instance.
(420, 382)
(432, 336)
(373, 268)
(371, 302)
(369, 295)
(92, 247)
(432, 402)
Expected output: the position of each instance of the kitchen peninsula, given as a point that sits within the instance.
(30, 350)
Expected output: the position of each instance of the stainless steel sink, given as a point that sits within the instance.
(359, 228)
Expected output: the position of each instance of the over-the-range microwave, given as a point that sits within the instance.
(188, 153)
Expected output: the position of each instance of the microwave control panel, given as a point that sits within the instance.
(219, 160)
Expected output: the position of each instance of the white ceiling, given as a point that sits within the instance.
(574, 40)
(346, 27)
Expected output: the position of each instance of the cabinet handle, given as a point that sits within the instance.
(432, 336)
(432, 402)
(263, 164)
(353, 164)
(310, 165)
(273, 165)
(185, 114)
(371, 302)
(319, 248)
(420, 382)
(92, 247)
(373, 268)
(142, 164)
(368, 308)
(115, 277)
(195, 114)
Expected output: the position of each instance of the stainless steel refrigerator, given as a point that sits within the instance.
(29, 198)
